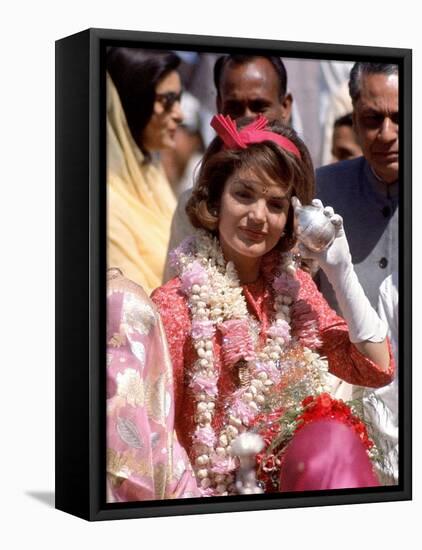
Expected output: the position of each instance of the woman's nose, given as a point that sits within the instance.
(177, 113)
(258, 212)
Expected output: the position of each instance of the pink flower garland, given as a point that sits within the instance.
(270, 370)
(206, 385)
(305, 325)
(205, 436)
(280, 330)
(184, 248)
(241, 409)
(194, 275)
(237, 341)
(287, 285)
(223, 465)
(202, 329)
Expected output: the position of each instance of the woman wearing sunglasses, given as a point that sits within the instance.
(143, 112)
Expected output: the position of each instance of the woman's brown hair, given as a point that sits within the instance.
(268, 158)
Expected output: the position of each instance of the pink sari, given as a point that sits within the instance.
(144, 459)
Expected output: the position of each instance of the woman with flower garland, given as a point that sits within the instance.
(248, 331)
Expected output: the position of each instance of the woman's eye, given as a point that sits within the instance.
(243, 195)
(276, 205)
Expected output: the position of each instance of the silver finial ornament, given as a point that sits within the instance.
(313, 228)
(246, 446)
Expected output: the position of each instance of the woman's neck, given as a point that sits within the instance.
(247, 268)
(248, 274)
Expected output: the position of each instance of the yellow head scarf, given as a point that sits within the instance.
(140, 203)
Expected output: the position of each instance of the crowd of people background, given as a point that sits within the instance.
(162, 154)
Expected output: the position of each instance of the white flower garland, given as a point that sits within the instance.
(215, 297)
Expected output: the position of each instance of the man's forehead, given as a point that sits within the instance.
(257, 72)
(376, 87)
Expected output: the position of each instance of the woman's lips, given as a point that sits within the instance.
(253, 235)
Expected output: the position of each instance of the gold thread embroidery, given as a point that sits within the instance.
(117, 340)
(160, 477)
(123, 465)
(137, 316)
(155, 400)
(131, 387)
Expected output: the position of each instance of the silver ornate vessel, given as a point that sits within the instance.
(313, 228)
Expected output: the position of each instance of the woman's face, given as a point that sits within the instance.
(253, 214)
(160, 131)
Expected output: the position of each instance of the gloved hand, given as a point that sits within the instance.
(336, 262)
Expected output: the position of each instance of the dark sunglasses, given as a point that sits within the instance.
(168, 100)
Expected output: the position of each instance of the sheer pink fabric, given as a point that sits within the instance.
(144, 458)
(326, 454)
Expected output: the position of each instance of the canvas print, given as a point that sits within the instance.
(252, 282)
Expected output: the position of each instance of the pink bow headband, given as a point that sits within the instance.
(252, 133)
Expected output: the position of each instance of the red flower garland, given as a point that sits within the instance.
(324, 406)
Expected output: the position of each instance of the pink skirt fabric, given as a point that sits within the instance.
(326, 454)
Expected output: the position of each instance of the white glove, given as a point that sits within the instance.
(336, 262)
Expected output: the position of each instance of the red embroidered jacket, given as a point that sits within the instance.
(345, 361)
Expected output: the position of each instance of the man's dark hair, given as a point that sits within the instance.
(135, 74)
(345, 120)
(276, 62)
(360, 69)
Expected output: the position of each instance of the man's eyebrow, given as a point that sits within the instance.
(370, 111)
(232, 99)
(260, 100)
(373, 111)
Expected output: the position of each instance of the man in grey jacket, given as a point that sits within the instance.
(364, 191)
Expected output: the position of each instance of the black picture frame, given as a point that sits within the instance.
(81, 280)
